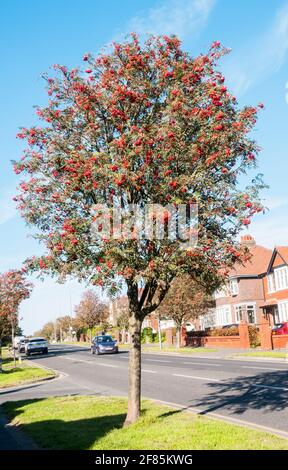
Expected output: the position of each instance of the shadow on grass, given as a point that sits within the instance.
(67, 435)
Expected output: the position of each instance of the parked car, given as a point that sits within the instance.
(280, 329)
(21, 345)
(17, 340)
(36, 345)
(104, 344)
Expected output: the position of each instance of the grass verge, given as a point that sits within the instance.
(272, 354)
(96, 423)
(22, 374)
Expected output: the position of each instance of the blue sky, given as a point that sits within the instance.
(34, 35)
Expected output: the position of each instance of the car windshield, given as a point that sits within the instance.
(37, 340)
(104, 339)
(278, 326)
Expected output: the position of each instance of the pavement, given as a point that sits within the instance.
(249, 393)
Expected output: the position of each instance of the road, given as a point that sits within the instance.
(254, 393)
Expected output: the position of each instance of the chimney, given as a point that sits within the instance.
(248, 240)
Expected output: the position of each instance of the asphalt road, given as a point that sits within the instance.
(255, 393)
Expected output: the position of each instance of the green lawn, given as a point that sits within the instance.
(23, 373)
(275, 354)
(96, 423)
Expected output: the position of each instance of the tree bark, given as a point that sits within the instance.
(0, 356)
(178, 337)
(134, 380)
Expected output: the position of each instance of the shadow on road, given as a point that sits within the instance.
(266, 391)
(59, 434)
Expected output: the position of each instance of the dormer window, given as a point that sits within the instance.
(234, 289)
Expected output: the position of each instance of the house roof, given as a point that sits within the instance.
(283, 252)
(257, 265)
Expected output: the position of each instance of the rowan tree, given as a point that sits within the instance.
(14, 288)
(91, 311)
(141, 124)
(186, 300)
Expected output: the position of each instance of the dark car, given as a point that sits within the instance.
(36, 345)
(280, 329)
(104, 344)
(22, 344)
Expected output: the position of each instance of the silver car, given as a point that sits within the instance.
(36, 345)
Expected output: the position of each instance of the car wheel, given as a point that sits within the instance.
(27, 353)
(92, 351)
(97, 352)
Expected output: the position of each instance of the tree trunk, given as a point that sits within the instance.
(159, 333)
(13, 348)
(0, 356)
(178, 337)
(91, 335)
(134, 381)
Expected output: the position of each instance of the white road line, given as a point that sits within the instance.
(90, 362)
(156, 360)
(105, 365)
(263, 368)
(270, 386)
(203, 364)
(149, 371)
(124, 357)
(207, 379)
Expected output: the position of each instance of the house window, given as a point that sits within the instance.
(283, 311)
(208, 320)
(240, 311)
(281, 278)
(223, 315)
(271, 282)
(251, 314)
(234, 287)
(221, 292)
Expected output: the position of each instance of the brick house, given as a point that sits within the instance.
(275, 283)
(243, 296)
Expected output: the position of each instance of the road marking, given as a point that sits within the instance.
(156, 360)
(270, 386)
(203, 364)
(90, 362)
(124, 357)
(149, 371)
(105, 365)
(197, 378)
(263, 368)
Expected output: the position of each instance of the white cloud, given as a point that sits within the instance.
(7, 207)
(180, 17)
(260, 58)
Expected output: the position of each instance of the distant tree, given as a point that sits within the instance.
(14, 288)
(91, 311)
(122, 321)
(48, 331)
(63, 326)
(186, 300)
